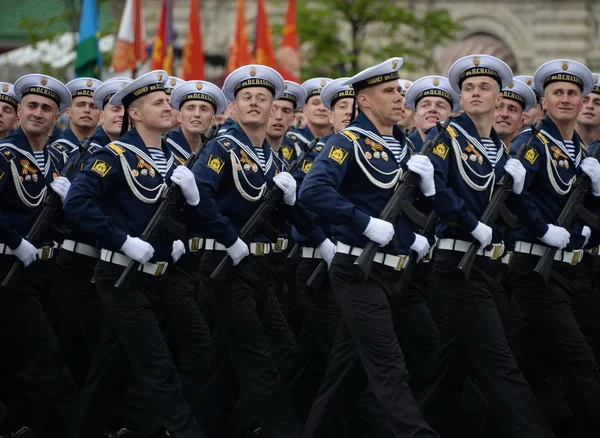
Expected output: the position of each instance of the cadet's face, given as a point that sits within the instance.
(112, 119)
(196, 116)
(479, 95)
(153, 111)
(38, 114)
(316, 113)
(562, 101)
(406, 116)
(532, 116)
(83, 113)
(220, 118)
(508, 118)
(300, 119)
(384, 101)
(342, 113)
(282, 117)
(8, 117)
(430, 110)
(254, 106)
(175, 122)
(590, 111)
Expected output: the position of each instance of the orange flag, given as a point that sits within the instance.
(130, 48)
(162, 50)
(264, 53)
(193, 55)
(239, 54)
(289, 61)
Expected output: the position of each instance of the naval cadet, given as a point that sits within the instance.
(517, 99)
(9, 104)
(348, 185)
(406, 121)
(231, 117)
(83, 115)
(171, 84)
(111, 116)
(532, 116)
(26, 174)
(588, 121)
(112, 200)
(553, 161)
(469, 159)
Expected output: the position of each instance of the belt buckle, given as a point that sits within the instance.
(594, 250)
(401, 262)
(278, 247)
(497, 250)
(576, 257)
(46, 252)
(196, 244)
(260, 249)
(160, 269)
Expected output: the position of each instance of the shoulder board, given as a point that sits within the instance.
(116, 149)
(541, 137)
(450, 130)
(58, 146)
(349, 135)
(225, 143)
(7, 154)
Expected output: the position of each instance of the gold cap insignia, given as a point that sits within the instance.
(529, 81)
(199, 85)
(159, 76)
(436, 82)
(512, 84)
(595, 79)
(5, 88)
(350, 85)
(407, 84)
(123, 84)
(285, 86)
(44, 81)
(323, 82)
(173, 82)
(476, 61)
(394, 65)
(89, 83)
(565, 65)
(252, 71)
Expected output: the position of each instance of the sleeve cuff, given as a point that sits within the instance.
(14, 240)
(470, 222)
(229, 237)
(361, 220)
(539, 228)
(116, 241)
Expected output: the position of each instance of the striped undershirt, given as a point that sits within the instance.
(261, 156)
(159, 158)
(570, 148)
(394, 145)
(41, 161)
(490, 150)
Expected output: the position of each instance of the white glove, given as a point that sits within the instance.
(26, 252)
(515, 169)
(137, 249)
(61, 186)
(286, 182)
(421, 165)
(483, 234)
(327, 251)
(238, 251)
(556, 236)
(421, 246)
(178, 250)
(379, 231)
(184, 178)
(591, 167)
(586, 232)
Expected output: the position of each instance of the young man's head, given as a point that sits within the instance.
(42, 99)
(83, 114)
(282, 116)
(564, 83)
(589, 116)
(171, 84)
(111, 116)
(339, 99)
(532, 116)
(408, 114)
(9, 104)
(314, 110)
(197, 103)
(433, 99)
(517, 98)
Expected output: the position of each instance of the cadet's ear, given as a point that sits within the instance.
(362, 99)
(543, 103)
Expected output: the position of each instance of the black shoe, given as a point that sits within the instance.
(121, 433)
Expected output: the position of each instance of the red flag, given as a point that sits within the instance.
(130, 48)
(289, 62)
(162, 50)
(239, 54)
(192, 66)
(263, 53)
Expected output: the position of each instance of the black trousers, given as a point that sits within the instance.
(140, 344)
(243, 306)
(366, 351)
(554, 312)
(23, 316)
(472, 339)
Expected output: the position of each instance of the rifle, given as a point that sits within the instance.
(573, 208)
(52, 203)
(171, 198)
(317, 275)
(496, 205)
(270, 200)
(398, 204)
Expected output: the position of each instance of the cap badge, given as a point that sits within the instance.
(529, 81)
(89, 83)
(173, 82)
(5, 88)
(199, 85)
(44, 81)
(159, 76)
(476, 61)
(323, 82)
(512, 84)
(407, 84)
(565, 65)
(436, 82)
(252, 71)
(595, 79)
(285, 87)
(394, 65)
(123, 84)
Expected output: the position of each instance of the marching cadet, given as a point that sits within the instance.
(111, 116)
(112, 200)
(26, 172)
(171, 84)
(280, 122)
(517, 99)
(433, 99)
(83, 115)
(532, 116)
(407, 116)
(588, 121)
(233, 172)
(348, 186)
(231, 118)
(468, 161)
(9, 104)
(552, 161)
